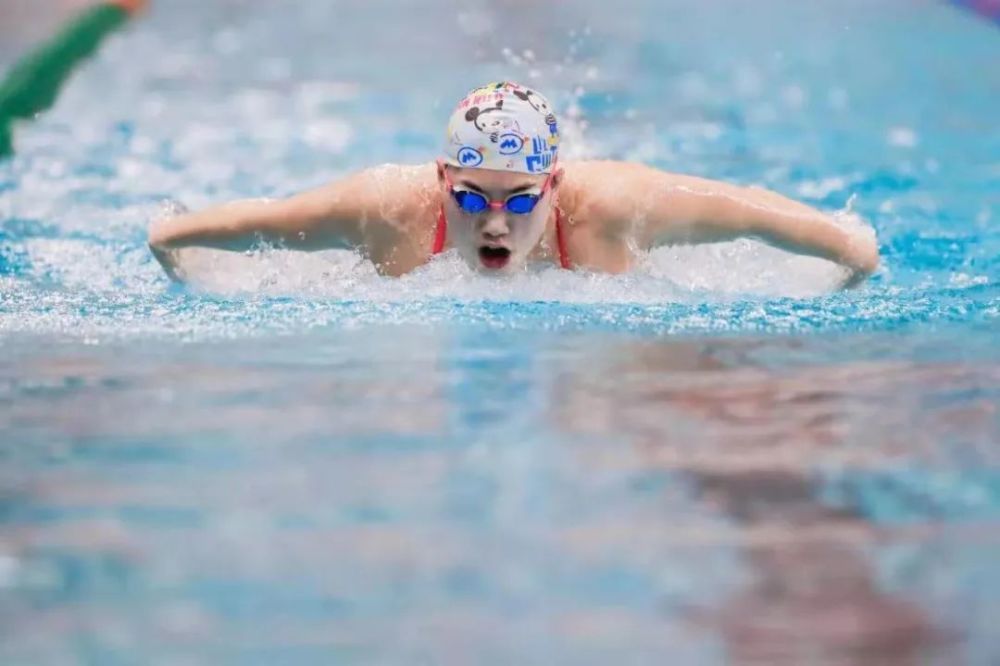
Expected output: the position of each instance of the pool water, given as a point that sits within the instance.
(717, 458)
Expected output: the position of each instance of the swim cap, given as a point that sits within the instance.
(503, 126)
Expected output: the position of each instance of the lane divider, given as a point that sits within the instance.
(33, 84)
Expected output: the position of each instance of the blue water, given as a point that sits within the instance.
(716, 459)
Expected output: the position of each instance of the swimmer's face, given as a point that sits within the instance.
(496, 240)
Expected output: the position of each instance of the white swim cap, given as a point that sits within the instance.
(503, 126)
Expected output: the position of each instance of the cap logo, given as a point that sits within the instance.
(511, 144)
(469, 157)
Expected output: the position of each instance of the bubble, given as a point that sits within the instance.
(901, 137)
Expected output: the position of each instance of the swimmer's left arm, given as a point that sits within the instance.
(672, 209)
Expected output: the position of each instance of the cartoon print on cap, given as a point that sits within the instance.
(539, 104)
(490, 120)
(519, 122)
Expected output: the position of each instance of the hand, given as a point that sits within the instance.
(861, 256)
(862, 250)
(157, 240)
(166, 261)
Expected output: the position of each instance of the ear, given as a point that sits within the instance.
(472, 113)
(557, 178)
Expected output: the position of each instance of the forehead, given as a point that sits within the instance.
(489, 179)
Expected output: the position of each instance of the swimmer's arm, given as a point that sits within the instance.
(348, 214)
(673, 209)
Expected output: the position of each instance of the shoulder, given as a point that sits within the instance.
(610, 178)
(606, 184)
(406, 192)
(398, 179)
(400, 206)
(388, 192)
(599, 191)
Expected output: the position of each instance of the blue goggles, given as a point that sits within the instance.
(474, 202)
(518, 204)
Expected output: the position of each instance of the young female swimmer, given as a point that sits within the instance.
(500, 196)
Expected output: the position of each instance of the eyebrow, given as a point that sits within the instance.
(516, 190)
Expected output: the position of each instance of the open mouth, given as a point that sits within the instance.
(494, 257)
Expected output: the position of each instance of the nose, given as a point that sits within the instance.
(495, 224)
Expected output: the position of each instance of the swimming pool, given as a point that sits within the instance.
(714, 459)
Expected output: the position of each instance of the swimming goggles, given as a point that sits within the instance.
(518, 204)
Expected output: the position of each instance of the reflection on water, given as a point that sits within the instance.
(458, 496)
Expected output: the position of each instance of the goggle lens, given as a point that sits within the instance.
(522, 204)
(470, 202)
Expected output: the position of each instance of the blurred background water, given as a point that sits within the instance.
(715, 458)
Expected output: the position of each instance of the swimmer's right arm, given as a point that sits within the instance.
(344, 214)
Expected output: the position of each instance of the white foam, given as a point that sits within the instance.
(820, 189)
(675, 274)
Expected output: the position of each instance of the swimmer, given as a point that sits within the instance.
(500, 196)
